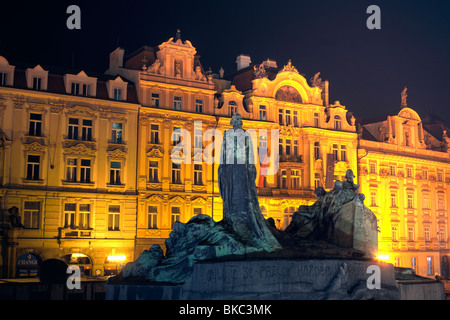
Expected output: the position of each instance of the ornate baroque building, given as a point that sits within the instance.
(100, 166)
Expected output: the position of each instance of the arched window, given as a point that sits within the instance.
(337, 123)
(232, 108)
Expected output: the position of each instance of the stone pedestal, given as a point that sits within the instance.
(271, 280)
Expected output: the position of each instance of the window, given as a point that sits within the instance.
(430, 266)
(288, 117)
(280, 147)
(117, 94)
(85, 171)
(440, 176)
(31, 213)
(426, 201)
(397, 262)
(114, 172)
(283, 179)
(295, 119)
(155, 100)
(35, 124)
(198, 174)
(413, 263)
(442, 234)
(409, 172)
(113, 217)
(287, 218)
(316, 180)
(84, 215)
(73, 129)
(316, 119)
(86, 130)
(337, 123)
(296, 147)
(392, 170)
(232, 108)
(152, 217)
(393, 200)
(373, 167)
(116, 136)
(198, 138)
(316, 150)
(394, 233)
(410, 201)
(3, 79)
(177, 103)
(197, 211)
(425, 174)
(176, 135)
(411, 235)
(343, 153)
(176, 173)
(175, 215)
(441, 203)
(71, 169)
(33, 163)
(37, 83)
(86, 90)
(335, 151)
(70, 211)
(280, 116)
(373, 198)
(75, 89)
(288, 147)
(153, 171)
(426, 233)
(198, 106)
(262, 112)
(154, 134)
(295, 179)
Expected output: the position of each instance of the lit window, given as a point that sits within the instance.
(35, 124)
(116, 136)
(426, 232)
(113, 217)
(84, 215)
(152, 217)
(411, 236)
(71, 170)
(394, 233)
(31, 213)
(70, 211)
(430, 266)
(373, 167)
(413, 263)
(410, 201)
(442, 234)
(33, 164)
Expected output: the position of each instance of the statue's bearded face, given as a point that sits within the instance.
(236, 121)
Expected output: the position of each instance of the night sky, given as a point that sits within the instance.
(367, 69)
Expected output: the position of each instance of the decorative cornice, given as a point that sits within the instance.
(79, 149)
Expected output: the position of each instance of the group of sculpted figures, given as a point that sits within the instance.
(244, 230)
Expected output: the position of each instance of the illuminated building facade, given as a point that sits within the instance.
(88, 158)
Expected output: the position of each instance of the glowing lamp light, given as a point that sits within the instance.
(116, 258)
(383, 257)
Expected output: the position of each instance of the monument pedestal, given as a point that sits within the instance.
(306, 279)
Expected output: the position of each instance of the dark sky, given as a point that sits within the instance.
(367, 69)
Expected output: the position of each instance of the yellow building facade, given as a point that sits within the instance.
(100, 166)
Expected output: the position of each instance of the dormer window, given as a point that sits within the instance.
(232, 108)
(117, 89)
(36, 78)
(337, 123)
(3, 79)
(6, 73)
(80, 84)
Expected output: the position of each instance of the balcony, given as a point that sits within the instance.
(291, 158)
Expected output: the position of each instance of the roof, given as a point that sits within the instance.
(242, 79)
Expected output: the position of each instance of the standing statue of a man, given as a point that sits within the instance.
(237, 174)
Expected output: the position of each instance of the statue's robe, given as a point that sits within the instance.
(237, 174)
